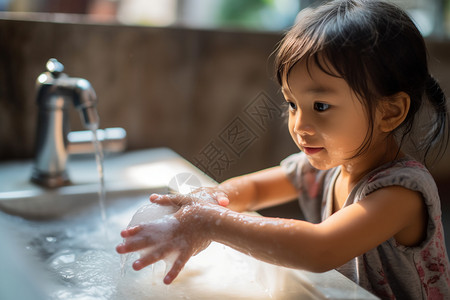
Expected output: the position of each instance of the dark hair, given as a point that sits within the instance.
(376, 48)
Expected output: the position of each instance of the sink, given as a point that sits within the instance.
(133, 173)
(59, 244)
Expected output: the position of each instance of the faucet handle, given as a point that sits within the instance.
(54, 67)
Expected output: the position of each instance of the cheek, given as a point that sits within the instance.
(358, 128)
(349, 135)
(291, 126)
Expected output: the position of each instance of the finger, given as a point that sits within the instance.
(222, 199)
(121, 249)
(146, 261)
(164, 199)
(132, 245)
(130, 231)
(151, 258)
(154, 197)
(176, 268)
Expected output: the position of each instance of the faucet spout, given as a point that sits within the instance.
(56, 93)
(85, 100)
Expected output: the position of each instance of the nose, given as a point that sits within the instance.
(302, 124)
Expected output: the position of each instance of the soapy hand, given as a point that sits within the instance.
(200, 195)
(175, 236)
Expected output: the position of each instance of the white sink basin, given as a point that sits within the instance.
(73, 250)
(134, 173)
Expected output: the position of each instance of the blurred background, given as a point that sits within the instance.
(192, 75)
(195, 76)
(162, 69)
(431, 16)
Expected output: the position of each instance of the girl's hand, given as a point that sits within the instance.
(183, 234)
(200, 195)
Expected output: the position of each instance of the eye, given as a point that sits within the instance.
(291, 105)
(320, 107)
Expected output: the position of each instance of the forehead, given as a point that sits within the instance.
(308, 76)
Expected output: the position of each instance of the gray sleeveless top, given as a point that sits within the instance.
(390, 271)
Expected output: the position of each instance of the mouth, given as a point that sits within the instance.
(312, 151)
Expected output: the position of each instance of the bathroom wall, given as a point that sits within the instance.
(206, 94)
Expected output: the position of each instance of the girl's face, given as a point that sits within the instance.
(326, 120)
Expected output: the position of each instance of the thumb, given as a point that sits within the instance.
(222, 199)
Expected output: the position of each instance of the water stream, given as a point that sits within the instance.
(75, 261)
(99, 157)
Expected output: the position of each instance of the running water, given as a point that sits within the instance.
(76, 263)
(102, 190)
(81, 264)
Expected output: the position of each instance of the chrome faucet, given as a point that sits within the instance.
(56, 93)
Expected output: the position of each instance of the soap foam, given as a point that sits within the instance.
(163, 223)
(151, 212)
(80, 264)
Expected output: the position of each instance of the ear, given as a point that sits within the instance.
(392, 111)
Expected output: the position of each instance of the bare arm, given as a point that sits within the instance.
(353, 230)
(258, 190)
(350, 232)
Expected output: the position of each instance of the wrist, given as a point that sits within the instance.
(210, 217)
(240, 192)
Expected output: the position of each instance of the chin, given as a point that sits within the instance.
(322, 167)
(321, 164)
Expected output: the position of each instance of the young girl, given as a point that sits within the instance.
(354, 74)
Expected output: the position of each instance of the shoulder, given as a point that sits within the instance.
(406, 187)
(406, 173)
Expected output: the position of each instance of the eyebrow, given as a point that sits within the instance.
(320, 90)
(315, 89)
